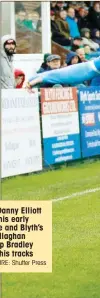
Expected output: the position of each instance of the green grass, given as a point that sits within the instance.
(52, 184)
(76, 234)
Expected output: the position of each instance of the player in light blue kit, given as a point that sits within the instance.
(70, 75)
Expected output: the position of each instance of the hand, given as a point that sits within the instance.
(29, 88)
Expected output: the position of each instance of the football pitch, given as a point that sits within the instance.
(76, 232)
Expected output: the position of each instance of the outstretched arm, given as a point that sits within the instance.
(34, 82)
(70, 75)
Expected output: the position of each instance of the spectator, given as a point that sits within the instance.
(83, 21)
(85, 33)
(87, 51)
(7, 52)
(53, 6)
(94, 15)
(70, 19)
(19, 78)
(57, 36)
(62, 24)
(76, 5)
(44, 66)
(20, 18)
(32, 20)
(59, 5)
(19, 7)
(96, 36)
(72, 58)
(81, 53)
(89, 54)
(27, 22)
(87, 12)
(53, 62)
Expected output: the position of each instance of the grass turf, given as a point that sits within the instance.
(76, 234)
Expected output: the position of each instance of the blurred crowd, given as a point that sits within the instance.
(74, 26)
(27, 20)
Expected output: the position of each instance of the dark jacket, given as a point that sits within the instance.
(94, 37)
(83, 22)
(57, 36)
(94, 18)
(43, 68)
(69, 57)
(63, 27)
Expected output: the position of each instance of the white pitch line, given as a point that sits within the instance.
(75, 194)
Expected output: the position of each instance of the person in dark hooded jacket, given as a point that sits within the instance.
(72, 58)
(96, 36)
(44, 66)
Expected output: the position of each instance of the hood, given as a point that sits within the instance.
(94, 33)
(69, 57)
(18, 72)
(5, 38)
(46, 56)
